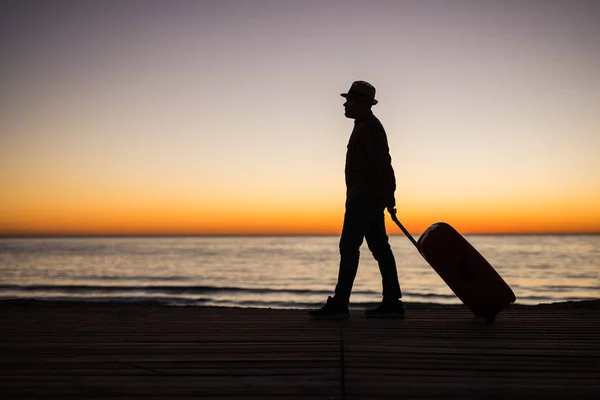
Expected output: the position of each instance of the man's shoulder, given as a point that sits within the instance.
(372, 123)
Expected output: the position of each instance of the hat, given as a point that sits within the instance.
(363, 89)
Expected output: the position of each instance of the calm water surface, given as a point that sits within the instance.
(277, 271)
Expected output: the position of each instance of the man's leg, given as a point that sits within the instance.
(379, 245)
(357, 220)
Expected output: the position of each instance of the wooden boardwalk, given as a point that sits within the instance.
(62, 350)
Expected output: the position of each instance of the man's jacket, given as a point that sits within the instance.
(369, 173)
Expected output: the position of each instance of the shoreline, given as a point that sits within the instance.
(592, 304)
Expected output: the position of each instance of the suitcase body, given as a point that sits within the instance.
(465, 271)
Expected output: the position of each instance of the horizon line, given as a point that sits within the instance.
(160, 235)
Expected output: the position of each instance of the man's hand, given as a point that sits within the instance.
(391, 204)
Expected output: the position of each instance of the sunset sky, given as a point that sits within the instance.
(224, 117)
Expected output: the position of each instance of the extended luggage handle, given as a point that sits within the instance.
(402, 228)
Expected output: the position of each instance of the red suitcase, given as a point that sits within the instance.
(474, 281)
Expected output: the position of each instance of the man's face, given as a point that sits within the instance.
(355, 106)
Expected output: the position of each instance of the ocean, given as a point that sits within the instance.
(277, 271)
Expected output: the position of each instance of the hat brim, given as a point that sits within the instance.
(345, 95)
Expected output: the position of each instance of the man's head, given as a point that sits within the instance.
(359, 99)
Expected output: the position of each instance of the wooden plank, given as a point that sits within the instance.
(78, 350)
(464, 358)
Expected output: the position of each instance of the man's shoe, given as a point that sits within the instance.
(386, 310)
(331, 310)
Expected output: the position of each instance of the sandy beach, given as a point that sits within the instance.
(100, 350)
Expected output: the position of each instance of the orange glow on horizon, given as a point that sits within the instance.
(188, 219)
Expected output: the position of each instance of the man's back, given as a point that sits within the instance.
(369, 172)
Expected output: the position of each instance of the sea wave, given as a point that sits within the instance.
(185, 290)
(184, 302)
(230, 296)
(168, 289)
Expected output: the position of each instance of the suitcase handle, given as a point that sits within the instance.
(403, 229)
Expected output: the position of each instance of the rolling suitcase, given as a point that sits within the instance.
(465, 271)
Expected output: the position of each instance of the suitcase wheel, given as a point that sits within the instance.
(489, 318)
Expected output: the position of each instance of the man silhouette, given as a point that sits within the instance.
(370, 186)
